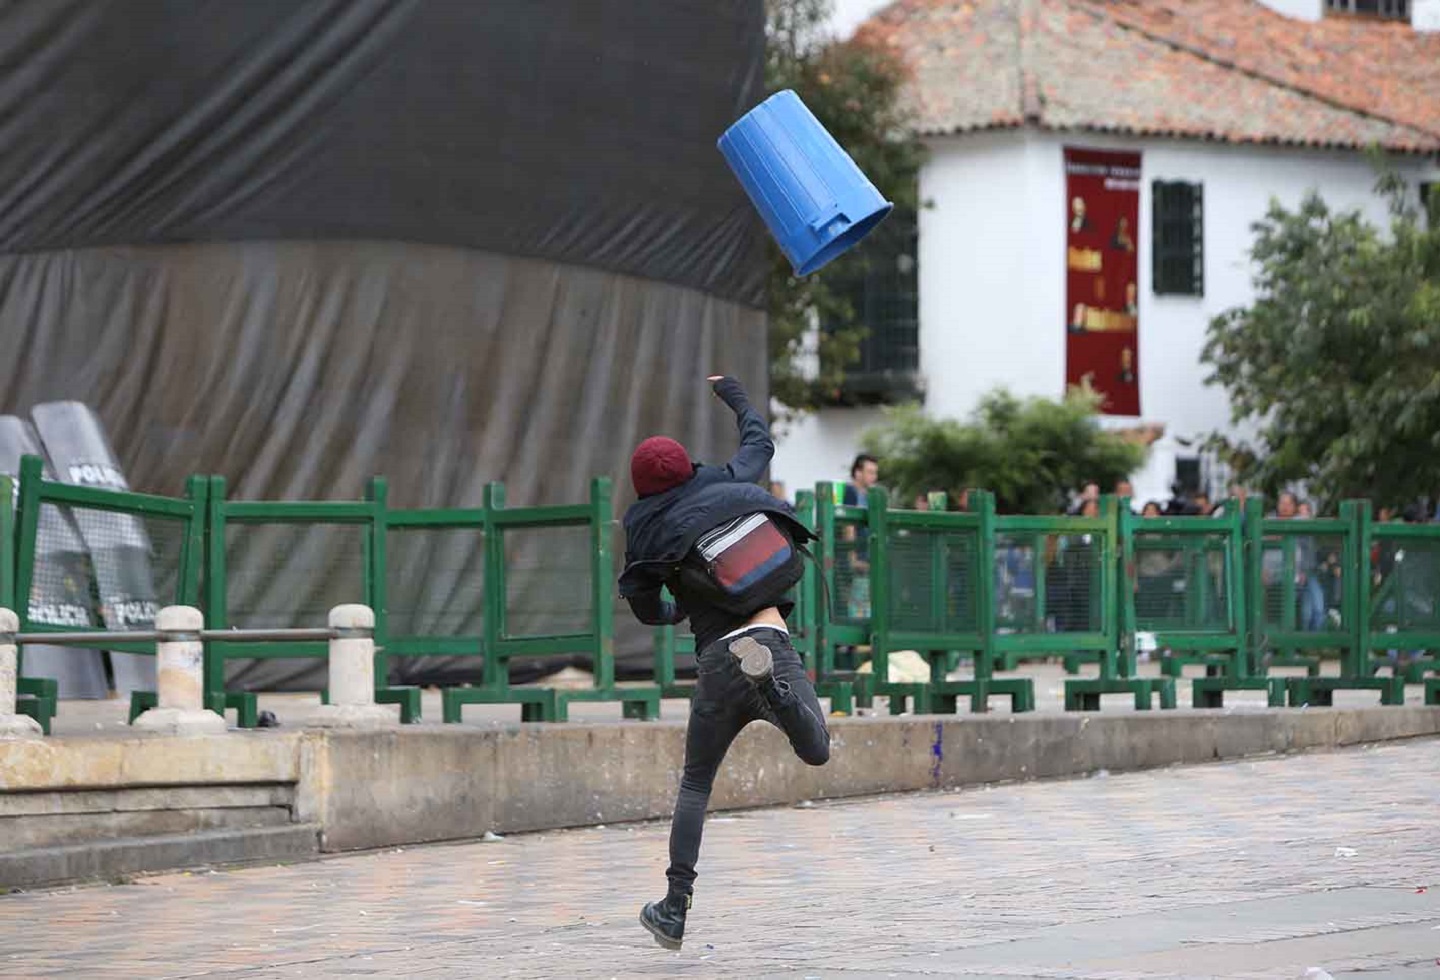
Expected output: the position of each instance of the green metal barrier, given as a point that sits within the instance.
(931, 592)
(843, 548)
(1074, 565)
(1284, 558)
(1180, 588)
(434, 568)
(167, 533)
(284, 565)
(1102, 608)
(1050, 580)
(554, 598)
(1402, 595)
(1238, 594)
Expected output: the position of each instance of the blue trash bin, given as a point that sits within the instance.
(814, 200)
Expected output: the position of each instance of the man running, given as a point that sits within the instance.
(729, 552)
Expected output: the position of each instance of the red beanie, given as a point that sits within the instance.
(659, 464)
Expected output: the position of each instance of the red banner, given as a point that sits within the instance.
(1102, 292)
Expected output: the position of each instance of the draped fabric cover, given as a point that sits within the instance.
(300, 244)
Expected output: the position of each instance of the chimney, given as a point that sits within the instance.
(1299, 9)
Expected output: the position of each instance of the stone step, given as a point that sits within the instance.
(114, 859)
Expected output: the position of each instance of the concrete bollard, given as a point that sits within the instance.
(352, 673)
(12, 725)
(180, 683)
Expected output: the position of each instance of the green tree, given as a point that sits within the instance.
(1029, 452)
(1335, 366)
(853, 87)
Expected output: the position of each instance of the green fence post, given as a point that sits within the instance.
(602, 619)
(377, 494)
(377, 591)
(27, 518)
(939, 604)
(806, 598)
(665, 652)
(1364, 587)
(1238, 577)
(983, 503)
(825, 529)
(1254, 577)
(1354, 601)
(496, 671)
(216, 611)
(878, 556)
(192, 547)
(1126, 581)
(1106, 571)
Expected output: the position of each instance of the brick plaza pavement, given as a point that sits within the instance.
(1252, 869)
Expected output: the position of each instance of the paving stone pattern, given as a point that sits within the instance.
(1253, 869)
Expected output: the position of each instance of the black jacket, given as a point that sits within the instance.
(661, 529)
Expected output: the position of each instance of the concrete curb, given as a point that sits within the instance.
(430, 784)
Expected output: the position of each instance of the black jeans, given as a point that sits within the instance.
(725, 702)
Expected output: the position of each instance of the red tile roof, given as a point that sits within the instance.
(1229, 70)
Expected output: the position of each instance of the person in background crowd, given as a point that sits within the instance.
(1072, 559)
(1156, 571)
(864, 475)
(777, 490)
(1124, 489)
(1203, 507)
(1312, 596)
(1089, 490)
(1236, 500)
(921, 501)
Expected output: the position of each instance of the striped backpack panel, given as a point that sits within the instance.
(742, 553)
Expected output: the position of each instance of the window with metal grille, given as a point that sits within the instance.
(1178, 243)
(1392, 9)
(882, 286)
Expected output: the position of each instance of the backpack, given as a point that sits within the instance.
(742, 565)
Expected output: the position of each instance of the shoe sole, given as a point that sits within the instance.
(660, 937)
(755, 658)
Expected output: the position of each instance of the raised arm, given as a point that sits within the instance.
(756, 448)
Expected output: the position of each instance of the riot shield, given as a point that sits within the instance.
(120, 549)
(61, 590)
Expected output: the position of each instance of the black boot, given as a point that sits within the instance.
(666, 919)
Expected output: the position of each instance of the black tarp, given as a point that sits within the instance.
(578, 130)
(301, 243)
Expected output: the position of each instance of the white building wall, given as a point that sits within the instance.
(1303, 9)
(820, 446)
(846, 15)
(992, 279)
(1425, 15)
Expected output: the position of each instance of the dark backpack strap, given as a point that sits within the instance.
(820, 570)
